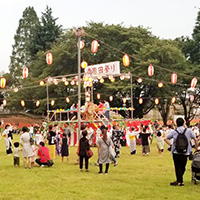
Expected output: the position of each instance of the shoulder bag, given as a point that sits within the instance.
(49, 161)
(111, 152)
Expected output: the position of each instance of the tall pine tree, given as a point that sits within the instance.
(46, 34)
(21, 55)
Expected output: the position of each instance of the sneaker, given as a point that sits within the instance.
(106, 173)
(116, 164)
(100, 173)
(175, 183)
(87, 170)
(81, 170)
(180, 184)
(42, 166)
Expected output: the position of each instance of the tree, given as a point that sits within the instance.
(21, 55)
(46, 34)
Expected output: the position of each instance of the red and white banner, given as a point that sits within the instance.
(104, 69)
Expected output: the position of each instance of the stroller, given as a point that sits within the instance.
(196, 167)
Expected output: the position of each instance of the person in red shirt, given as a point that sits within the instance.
(41, 152)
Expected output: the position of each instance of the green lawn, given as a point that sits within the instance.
(136, 177)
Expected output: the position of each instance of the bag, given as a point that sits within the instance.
(31, 140)
(111, 151)
(89, 153)
(50, 162)
(181, 145)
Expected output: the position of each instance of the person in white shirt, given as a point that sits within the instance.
(131, 140)
(38, 138)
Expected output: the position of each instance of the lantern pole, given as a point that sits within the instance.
(47, 87)
(131, 95)
(79, 32)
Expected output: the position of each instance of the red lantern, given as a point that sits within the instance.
(160, 84)
(173, 100)
(94, 46)
(25, 72)
(37, 103)
(174, 78)
(124, 100)
(67, 99)
(82, 44)
(140, 101)
(111, 98)
(49, 58)
(139, 80)
(122, 77)
(191, 98)
(150, 70)
(52, 102)
(4, 102)
(193, 82)
(3, 82)
(126, 60)
(156, 101)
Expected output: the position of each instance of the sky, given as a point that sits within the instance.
(166, 18)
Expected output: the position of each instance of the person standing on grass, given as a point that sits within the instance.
(145, 142)
(116, 135)
(8, 139)
(52, 142)
(160, 143)
(64, 147)
(27, 151)
(103, 144)
(180, 156)
(83, 146)
(132, 140)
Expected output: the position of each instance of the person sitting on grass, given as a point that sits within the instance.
(42, 153)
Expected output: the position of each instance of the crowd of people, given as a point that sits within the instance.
(33, 140)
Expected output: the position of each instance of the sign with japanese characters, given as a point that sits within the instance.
(104, 69)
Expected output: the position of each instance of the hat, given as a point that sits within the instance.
(103, 127)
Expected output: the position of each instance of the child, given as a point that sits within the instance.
(16, 153)
(38, 137)
(160, 143)
(64, 148)
(145, 142)
(33, 158)
(132, 139)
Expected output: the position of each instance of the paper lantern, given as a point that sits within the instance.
(15, 89)
(52, 102)
(4, 102)
(126, 60)
(82, 44)
(41, 83)
(22, 103)
(124, 100)
(3, 82)
(76, 82)
(94, 46)
(111, 98)
(67, 99)
(139, 80)
(122, 77)
(160, 85)
(98, 96)
(66, 83)
(191, 98)
(150, 70)
(64, 79)
(193, 82)
(55, 82)
(84, 64)
(173, 100)
(37, 103)
(49, 58)
(112, 80)
(156, 101)
(140, 101)
(101, 80)
(72, 82)
(174, 78)
(25, 72)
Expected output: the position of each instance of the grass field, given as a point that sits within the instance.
(136, 177)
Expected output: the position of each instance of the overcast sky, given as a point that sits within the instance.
(166, 18)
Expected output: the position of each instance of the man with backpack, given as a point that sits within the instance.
(181, 148)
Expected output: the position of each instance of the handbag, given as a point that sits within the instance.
(89, 153)
(31, 140)
(49, 161)
(111, 151)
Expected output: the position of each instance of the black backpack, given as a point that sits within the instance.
(181, 142)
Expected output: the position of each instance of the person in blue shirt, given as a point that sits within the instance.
(180, 159)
